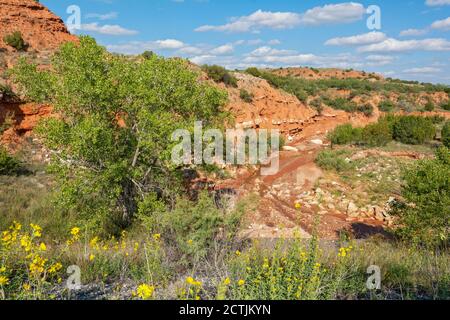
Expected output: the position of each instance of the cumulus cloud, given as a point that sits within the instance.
(222, 50)
(257, 20)
(328, 14)
(361, 39)
(413, 32)
(102, 16)
(394, 45)
(137, 47)
(334, 13)
(441, 24)
(423, 70)
(112, 30)
(436, 3)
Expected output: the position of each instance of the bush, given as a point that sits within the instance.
(413, 130)
(424, 218)
(254, 72)
(318, 105)
(8, 164)
(429, 106)
(334, 160)
(246, 96)
(386, 106)
(446, 135)
(220, 74)
(377, 134)
(366, 109)
(446, 106)
(342, 104)
(345, 134)
(15, 40)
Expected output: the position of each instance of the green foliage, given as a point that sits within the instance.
(446, 134)
(366, 109)
(429, 106)
(148, 54)
(446, 106)
(195, 226)
(6, 93)
(317, 104)
(246, 96)
(413, 130)
(342, 104)
(377, 134)
(220, 74)
(15, 40)
(254, 72)
(386, 106)
(425, 217)
(345, 134)
(117, 117)
(334, 160)
(9, 165)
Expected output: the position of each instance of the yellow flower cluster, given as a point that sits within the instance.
(344, 251)
(144, 291)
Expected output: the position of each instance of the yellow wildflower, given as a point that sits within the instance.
(2, 269)
(241, 282)
(227, 281)
(157, 237)
(26, 287)
(298, 206)
(75, 231)
(238, 253)
(55, 268)
(145, 291)
(42, 247)
(91, 257)
(3, 280)
(37, 230)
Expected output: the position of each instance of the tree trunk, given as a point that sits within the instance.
(128, 202)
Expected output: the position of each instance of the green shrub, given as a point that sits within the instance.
(15, 40)
(254, 72)
(246, 96)
(342, 104)
(424, 218)
(429, 106)
(334, 160)
(446, 106)
(386, 106)
(148, 54)
(413, 130)
(446, 135)
(317, 104)
(366, 109)
(377, 134)
(345, 134)
(8, 164)
(220, 74)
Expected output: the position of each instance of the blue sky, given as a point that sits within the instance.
(412, 43)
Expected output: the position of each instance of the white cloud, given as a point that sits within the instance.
(394, 45)
(413, 32)
(334, 13)
(441, 24)
(223, 50)
(423, 70)
(112, 30)
(328, 14)
(361, 39)
(379, 60)
(102, 16)
(257, 20)
(169, 44)
(137, 47)
(435, 3)
(268, 51)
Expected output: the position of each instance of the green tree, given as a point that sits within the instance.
(425, 218)
(446, 134)
(112, 142)
(413, 130)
